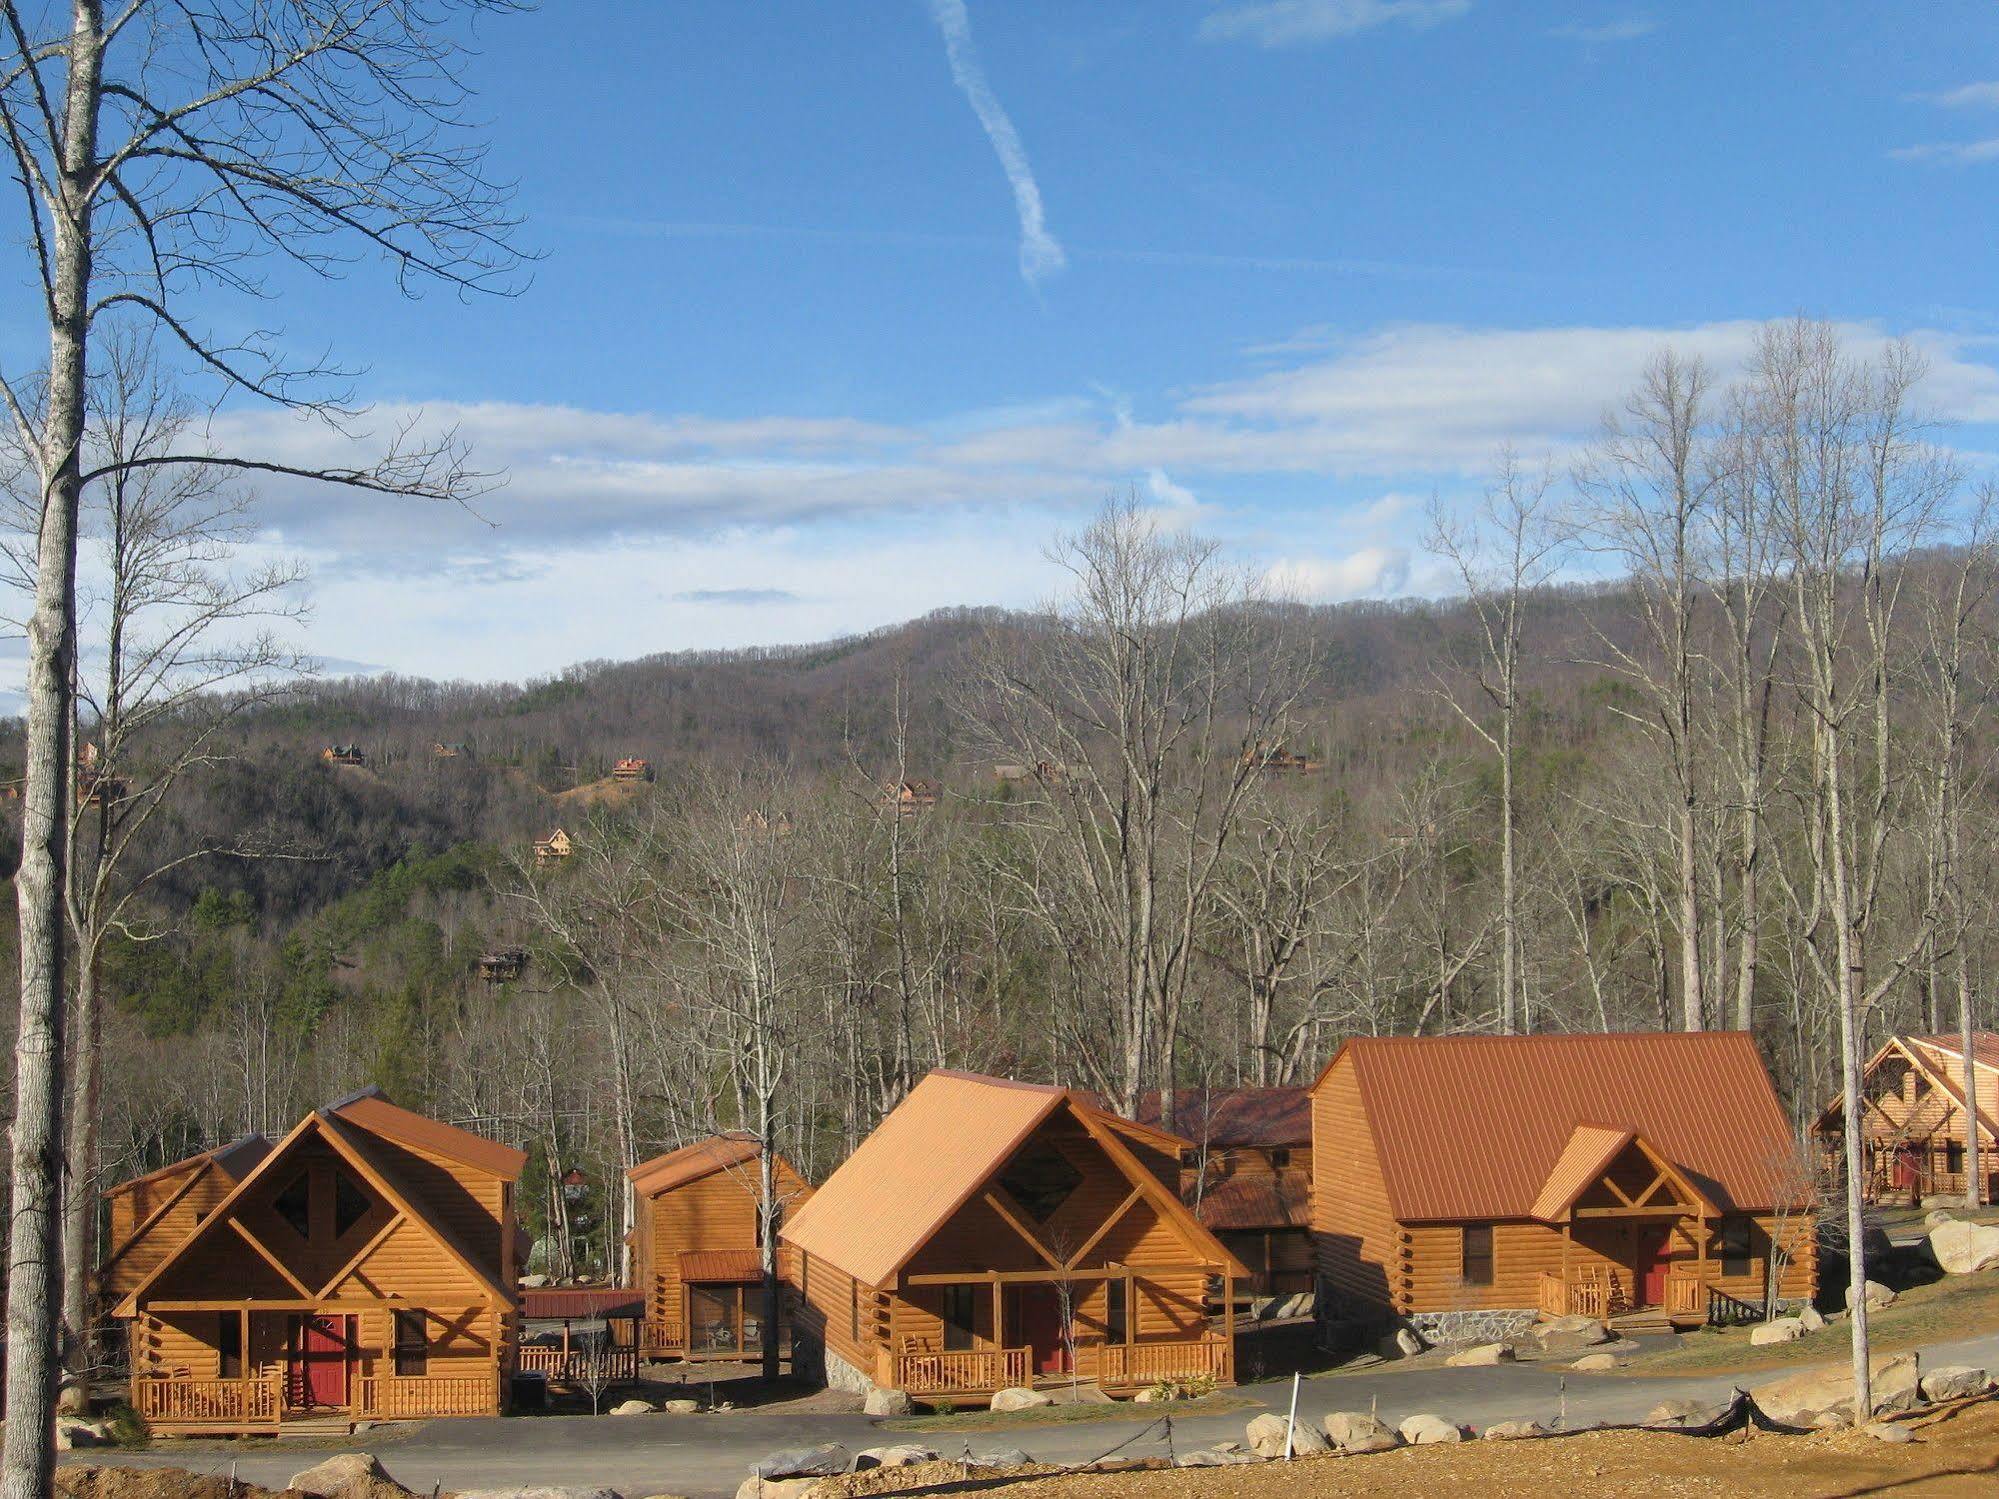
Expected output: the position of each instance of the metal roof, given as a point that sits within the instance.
(235, 1160)
(691, 1162)
(1583, 1160)
(1280, 1201)
(370, 1109)
(1984, 1046)
(1229, 1117)
(712, 1266)
(1471, 1127)
(572, 1303)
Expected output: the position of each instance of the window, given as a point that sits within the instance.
(229, 1346)
(1953, 1156)
(294, 1205)
(1040, 1179)
(1117, 1318)
(1477, 1269)
(412, 1345)
(1280, 1158)
(350, 1204)
(1734, 1250)
(961, 1309)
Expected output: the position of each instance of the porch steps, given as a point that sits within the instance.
(1652, 1321)
(317, 1426)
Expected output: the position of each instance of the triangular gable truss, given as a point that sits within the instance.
(402, 1207)
(1587, 1167)
(1936, 1076)
(160, 1210)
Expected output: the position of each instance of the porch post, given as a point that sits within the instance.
(999, 1315)
(1228, 1326)
(1568, 1238)
(243, 1365)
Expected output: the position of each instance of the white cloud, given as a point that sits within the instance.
(1286, 23)
(1951, 153)
(1040, 255)
(1371, 572)
(1966, 96)
(1627, 29)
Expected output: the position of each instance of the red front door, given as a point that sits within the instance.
(1038, 1324)
(1908, 1165)
(318, 1372)
(1655, 1258)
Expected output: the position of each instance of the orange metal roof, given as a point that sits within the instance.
(1583, 1160)
(1984, 1046)
(1471, 1127)
(920, 1165)
(690, 1163)
(371, 1111)
(703, 1266)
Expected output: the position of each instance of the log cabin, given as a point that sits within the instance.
(152, 1215)
(1248, 1177)
(1465, 1186)
(556, 846)
(343, 754)
(697, 1247)
(991, 1234)
(503, 964)
(364, 1268)
(912, 795)
(632, 768)
(1912, 1125)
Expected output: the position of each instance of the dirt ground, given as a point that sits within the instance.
(1954, 1453)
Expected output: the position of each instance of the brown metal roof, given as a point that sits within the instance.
(1280, 1201)
(1230, 1117)
(1583, 1160)
(933, 1151)
(1470, 1127)
(1984, 1046)
(690, 1163)
(235, 1160)
(573, 1303)
(371, 1110)
(709, 1266)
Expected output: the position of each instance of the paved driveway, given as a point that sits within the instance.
(705, 1457)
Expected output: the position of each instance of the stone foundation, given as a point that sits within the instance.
(1491, 1326)
(841, 1375)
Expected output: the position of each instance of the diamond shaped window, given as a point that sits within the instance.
(1040, 1179)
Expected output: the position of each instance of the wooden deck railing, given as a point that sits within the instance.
(176, 1402)
(1685, 1294)
(619, 1365)
(1149, 1363)
(390, 1397)
(963, 1370)
(1589, 1296)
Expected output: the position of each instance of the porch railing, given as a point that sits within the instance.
(392, 1397)
(616, 1364)
(964, 1369)
(1685, 1294)
(174, 1401)
(1149, 1363)
(1591, 1295)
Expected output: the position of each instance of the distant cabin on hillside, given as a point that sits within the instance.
(451, 750)
(697, 1247)
(554, 848)
(343, 754)
(632, 769)
(1278, 760)
(912, 795)
(363, 1269)
(992, 1233)
(503, 965)
(1914, 1091)
(1467, 1185)
(1248, 1176)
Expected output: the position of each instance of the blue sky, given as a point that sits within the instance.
(799, 356)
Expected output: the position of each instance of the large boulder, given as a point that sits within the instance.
(828, 1460)
(345, 1473)
(1402, 1343)
(1595, 1363)
(1965, 1248)
(889, 1403)
(1567, 1334)
(1955, 1382)
(1212, 1458)
(1428, 1430)
(1783, 1330)
(1887, 1431)
(1824, 1397)
(776, 1488)
(1810, 1319)
(1877, 1294)
(73, 1432)
(1019, 1399)
(1357, 1431)
(680, 1407)
(632, 1408)
(1677, 1414)
(1481, 1357)
(1001, 1457)
(1265, 1435)
(902, 1455)
(1514, 1431)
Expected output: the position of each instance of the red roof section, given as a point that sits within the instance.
(709, 1266)
(1470, 1127)
(1232, 1117)
(576, 1303)
(1984, 1046)
(1280, 1201)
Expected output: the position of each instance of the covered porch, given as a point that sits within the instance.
(1119, 1327)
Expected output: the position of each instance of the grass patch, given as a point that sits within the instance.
(1063, 1415)
(1956, 1307)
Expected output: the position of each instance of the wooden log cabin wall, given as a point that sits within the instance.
(991, 1234)
(1466, 1186)
(364, 1267)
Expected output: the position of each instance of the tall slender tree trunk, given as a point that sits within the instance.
(80, 1198)
(1509, 894)
(1693, 1009)
(34, 1290)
